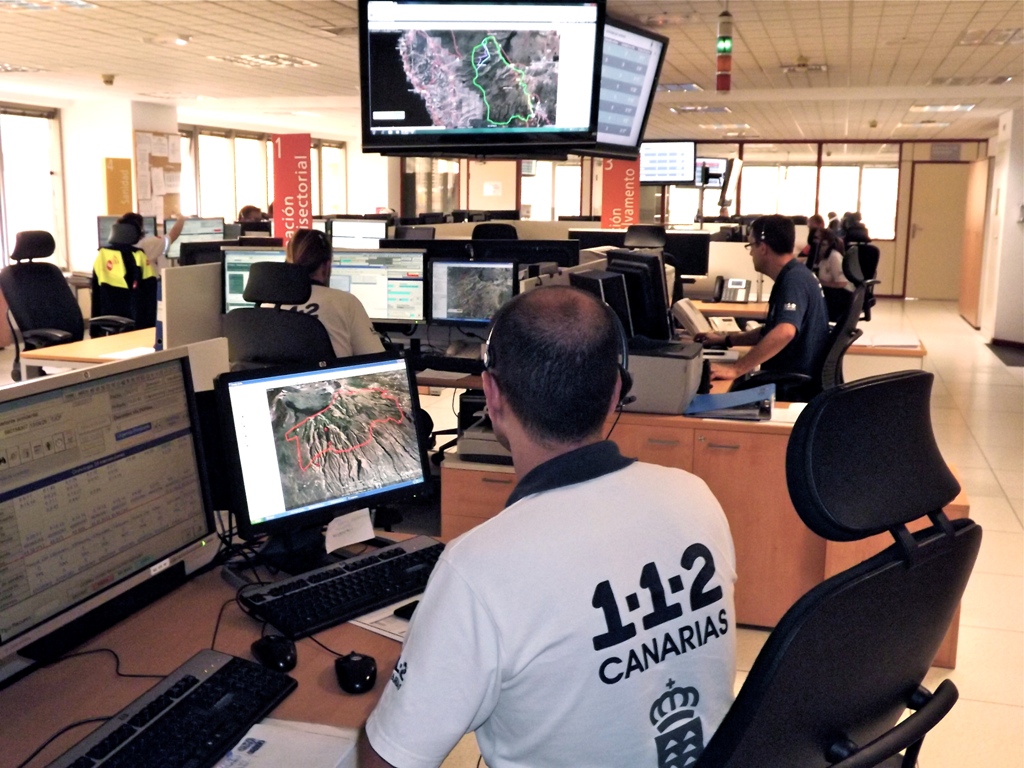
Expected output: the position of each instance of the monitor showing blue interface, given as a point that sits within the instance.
(389, 283)
(356, 233)
(237, 261)
(470, 292)
(194, 231)
(104, 223)
(102, 497)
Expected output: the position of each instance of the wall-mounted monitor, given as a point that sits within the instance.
(356, 232)
(630, 65)
(463, 76)
(194, 231)
(104, 224)
(470, 292)
(237, 261)
(104, 497)
(388, 283)
(667, 162)
(716, 171)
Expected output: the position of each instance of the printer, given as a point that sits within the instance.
(666, 376)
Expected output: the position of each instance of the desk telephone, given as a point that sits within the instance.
(732, 289)
(694, 322)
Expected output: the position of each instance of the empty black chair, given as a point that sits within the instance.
(861, 267)
(847, 659)
(495, 230)
(644, 236)
(41, 307)
(262, 336)
(403, 232)
(433, 217)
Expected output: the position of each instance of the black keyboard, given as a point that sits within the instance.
(189, 719)
(468, 365)
(319, 599)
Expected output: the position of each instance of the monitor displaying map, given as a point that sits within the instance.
(457, 75)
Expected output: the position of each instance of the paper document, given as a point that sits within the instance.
(787, 415)
(274, 743)
(349, 529)
(384, 622)
(452, 375)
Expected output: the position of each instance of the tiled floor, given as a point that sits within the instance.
(978, 414)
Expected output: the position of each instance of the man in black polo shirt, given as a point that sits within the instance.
(794, 338)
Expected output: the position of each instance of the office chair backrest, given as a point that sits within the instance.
(841, 337)
(260, 336)
(644, 236)
(493, 230)
(38, 295)
(860, 265)
(403, 232)
(33, 244)
(847, 659)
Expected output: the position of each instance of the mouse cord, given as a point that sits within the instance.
(216, 626)
(117, 662)
(329, 650)
(58, 734)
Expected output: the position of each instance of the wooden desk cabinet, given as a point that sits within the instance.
(778, 558)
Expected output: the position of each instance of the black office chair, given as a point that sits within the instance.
(41, 307)
(403, 232)
(137, 299)
(861, 266)
(847, 660)
(644, 236)
(262, 336)
(494, 230)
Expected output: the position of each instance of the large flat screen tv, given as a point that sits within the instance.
(630, 65)
(459, 77)
(667, 162)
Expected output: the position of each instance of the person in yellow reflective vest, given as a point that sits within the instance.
(123, 281)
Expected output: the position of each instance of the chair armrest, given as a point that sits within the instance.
(905, 734)
(112, 323)
(788, 386)
(45, 337)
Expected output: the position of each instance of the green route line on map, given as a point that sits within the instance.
(476, 74)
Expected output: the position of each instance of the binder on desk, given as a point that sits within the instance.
(746, 405)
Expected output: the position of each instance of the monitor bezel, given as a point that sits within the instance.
(321, 516)
(475, 322)
(443, 143)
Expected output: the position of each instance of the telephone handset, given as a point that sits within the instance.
(690, 318)
(732, 289)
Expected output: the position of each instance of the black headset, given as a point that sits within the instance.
(624, 375)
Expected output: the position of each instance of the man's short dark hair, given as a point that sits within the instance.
(555, 355)
(778, 232)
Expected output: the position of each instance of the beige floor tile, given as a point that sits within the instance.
(1001, 553)
(999, 399)
(1002, 457)
(994, 513)
(967, 455)
(979, 481)
(993, 601)
(989, 667)
(1011, 480)
(976, 734)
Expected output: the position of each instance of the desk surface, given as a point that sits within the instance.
(91, 351)
(754, 310)
(157, 640)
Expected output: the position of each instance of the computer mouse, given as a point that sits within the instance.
(275, 652)
(356, 672)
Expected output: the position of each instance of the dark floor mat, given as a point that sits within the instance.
(1010, 356)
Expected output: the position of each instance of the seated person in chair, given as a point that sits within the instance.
(794, 339)
(526, 633)
(341, 313)
(123, 277)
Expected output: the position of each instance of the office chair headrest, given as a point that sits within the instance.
(863, 459)
(124, 233)
(492, 230)
(33, 244)
(274, 282)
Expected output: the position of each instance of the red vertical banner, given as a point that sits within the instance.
(620, 193)
(292, 184)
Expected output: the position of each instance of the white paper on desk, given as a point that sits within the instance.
(787, 415)
(349, 529)
(156, 180)
(274, 743)
(384, 622)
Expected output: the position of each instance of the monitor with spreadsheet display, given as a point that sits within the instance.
(103, 500)
(307, 444)
(194, 231)
(667, 162)
(388, 283)
(470, 292)
(237, 261)
(104, 223)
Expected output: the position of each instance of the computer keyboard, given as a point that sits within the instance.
(468, 365)
(189, 719)
(310, 602)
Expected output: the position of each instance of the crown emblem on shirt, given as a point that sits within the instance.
(673, 706)
(680, 739)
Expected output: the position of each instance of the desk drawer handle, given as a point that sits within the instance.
(496, 480)
(724, 447)
(655, 441)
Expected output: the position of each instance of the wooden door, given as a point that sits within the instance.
(974, 243)
(937, 214)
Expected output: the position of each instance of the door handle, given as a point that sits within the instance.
(496, 480)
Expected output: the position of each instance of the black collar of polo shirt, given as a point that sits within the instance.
(577, 466)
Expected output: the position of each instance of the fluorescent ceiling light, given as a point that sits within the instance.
(923, 124)
(18, 68)
(43, 5)
(697, 108)
(265, 60)
(669, 87)
(1007, 35)
(942, 107)
(726, 127)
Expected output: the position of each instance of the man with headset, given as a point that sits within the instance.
(591, 622)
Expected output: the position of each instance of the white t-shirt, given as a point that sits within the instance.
(587, 625)
(345, 319)
(830, 270)
(154, 246)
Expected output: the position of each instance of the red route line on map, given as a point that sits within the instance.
(330, 448)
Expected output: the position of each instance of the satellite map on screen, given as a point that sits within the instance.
(340, 438)
(483, 79)
(477, 292)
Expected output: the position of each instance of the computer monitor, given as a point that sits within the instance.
(320, 225)
(716, 171)
(256, 227)
(104, 224)
(609, 287)
(598, 238)
(237, 261)
(453, 250)
(203, 252)
(667, 162)
(356, 233)
(647, 290)
(104, 501)
(688, 252)
(470, 292)
(194, 231)
(388, 283)
(306, 444)
(565, 253)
